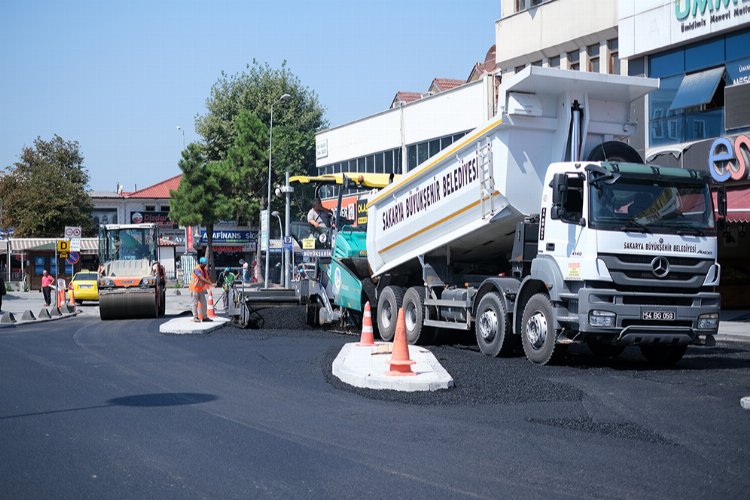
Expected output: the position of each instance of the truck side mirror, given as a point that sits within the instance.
(559, 187)
(721, 198)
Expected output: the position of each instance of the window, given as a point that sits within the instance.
(369, 164)
(574, 59)
(412, 156)
(434, 147)
(150, 208)
(520, 5)
(165, 208)
(519, 68)
(554, 62)
(388, 168)
(536, 63)
(593, 53)
(422, 152)
(379, 162)
(614, 56)
(446, 141)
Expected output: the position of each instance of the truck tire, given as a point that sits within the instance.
(663, 355)
(615, 151)
(538, 334)
(390, 300)
(413, 303)
(492, 327)
(603, 349)
(163, 303)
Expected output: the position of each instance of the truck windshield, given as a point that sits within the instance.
(652, 206)
(131, 244)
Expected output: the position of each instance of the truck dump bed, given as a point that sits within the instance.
(464, 203)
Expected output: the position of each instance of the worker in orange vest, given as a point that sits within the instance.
(199, 283)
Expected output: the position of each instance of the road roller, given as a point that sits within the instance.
(129, 286)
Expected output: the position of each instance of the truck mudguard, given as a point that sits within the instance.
(506, 287)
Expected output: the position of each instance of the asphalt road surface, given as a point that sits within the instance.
(116, 410)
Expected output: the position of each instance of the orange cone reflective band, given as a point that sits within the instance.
(211, 312)
(400, 361)
(367, 338)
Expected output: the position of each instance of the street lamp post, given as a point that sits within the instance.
(183, 135)
(276, 214)
(268, 202)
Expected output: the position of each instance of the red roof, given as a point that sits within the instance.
(443, 84)
(405, 97)
(738, 204)
(160, 190)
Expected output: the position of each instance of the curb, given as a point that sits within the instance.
(365, 367)
(28, 318)
(732, 337)
(186, 326)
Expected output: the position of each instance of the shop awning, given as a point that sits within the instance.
(697, 89)
(738, 204)
(88, 245)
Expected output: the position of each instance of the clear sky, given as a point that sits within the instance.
(120, 76)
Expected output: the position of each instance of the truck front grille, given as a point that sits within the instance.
(638, 271)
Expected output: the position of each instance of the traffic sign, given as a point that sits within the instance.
(63, 246)
(73, 258)
(288, 243)
(63, 255)
(72, 232)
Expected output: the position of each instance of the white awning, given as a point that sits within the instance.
(88, 245)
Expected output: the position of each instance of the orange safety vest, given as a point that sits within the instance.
(195, 285)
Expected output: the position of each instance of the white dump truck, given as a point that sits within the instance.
(541, 228)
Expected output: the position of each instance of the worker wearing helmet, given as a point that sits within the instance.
(199, 283)
(225, 281)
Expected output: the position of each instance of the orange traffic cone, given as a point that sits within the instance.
(72, 301)
(200, 311)
(60, 297)
(400, 361)
(211, 312)
(367, 338)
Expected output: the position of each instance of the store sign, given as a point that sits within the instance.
(739, 71)
(321, 149)
(653, 28)
(224, 237)
(161, 219)
(729, 159)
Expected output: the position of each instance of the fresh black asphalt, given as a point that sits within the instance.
(92, 409)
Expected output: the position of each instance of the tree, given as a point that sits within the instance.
(202, 198)
(46, 190)
(295, 122)
(247, 162)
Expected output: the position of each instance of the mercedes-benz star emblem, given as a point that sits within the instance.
(660, 267)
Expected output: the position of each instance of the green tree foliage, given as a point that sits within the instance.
(46, 190)
(202, 198)
(247, 162)
(295, 121)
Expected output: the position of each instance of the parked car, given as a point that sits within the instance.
(84, 287)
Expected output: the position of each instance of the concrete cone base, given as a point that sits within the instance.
(367, 367)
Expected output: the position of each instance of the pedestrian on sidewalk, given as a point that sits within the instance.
(47, 282)
(199, 283)
(3, 291)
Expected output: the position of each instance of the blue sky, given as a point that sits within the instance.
(119, 76)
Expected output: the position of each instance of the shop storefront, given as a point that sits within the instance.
(229, 246)
(700, 116)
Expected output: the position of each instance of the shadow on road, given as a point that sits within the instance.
(138, 400)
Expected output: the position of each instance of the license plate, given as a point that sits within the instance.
(85, 286)
(659, 315)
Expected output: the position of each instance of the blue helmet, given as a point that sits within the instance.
(227, 269)
(202, 260)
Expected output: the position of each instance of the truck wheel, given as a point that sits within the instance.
(604, 350)
(538, 333)
(663, 355)
(614, 151)
(389, 301)
(492, 327)
(416, 332)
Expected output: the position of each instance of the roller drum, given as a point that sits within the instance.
(127, 305)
